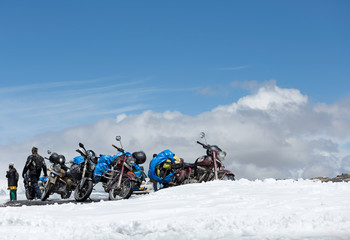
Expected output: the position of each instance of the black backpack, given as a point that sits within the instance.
(37, 162)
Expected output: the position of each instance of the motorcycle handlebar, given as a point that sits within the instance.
(81, 153)
(119, 149)
(203, 145)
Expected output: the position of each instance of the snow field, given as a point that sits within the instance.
(243, 209)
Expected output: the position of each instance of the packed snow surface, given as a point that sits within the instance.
(268, 209)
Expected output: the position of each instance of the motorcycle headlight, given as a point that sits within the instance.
(57, 168)
(221, 155)
(130, 161)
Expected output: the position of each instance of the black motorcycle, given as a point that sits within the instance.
(59, 179)
(82, 173)
(28, 186)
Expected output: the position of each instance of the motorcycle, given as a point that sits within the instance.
(29, 189)
(210, 166)
(59, 180)
(123, 178)
(112, 171)
(82, 171)
(182, 173)
(168, 170)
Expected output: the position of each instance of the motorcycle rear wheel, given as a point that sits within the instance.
(124, 191)
(47, 191)
(82, 193)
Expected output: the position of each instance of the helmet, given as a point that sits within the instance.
(54, 158)
(91, 154)
(11, 164)
(62, 160)
(212, 148)
(140, 157)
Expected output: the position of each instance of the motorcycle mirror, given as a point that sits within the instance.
(48, 152)
(202, 135)
(119, 139)
(81, 145)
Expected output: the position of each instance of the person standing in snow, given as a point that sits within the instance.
(12, 180)
(34, 164)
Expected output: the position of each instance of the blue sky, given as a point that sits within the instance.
(67, 63)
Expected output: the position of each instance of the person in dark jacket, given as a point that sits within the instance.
(34, 164)
(12, 180)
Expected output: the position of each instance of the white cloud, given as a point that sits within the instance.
(274, 132)
(269, 98)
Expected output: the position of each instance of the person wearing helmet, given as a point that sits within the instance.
(34, 164)
(161, 169)
(12, 180)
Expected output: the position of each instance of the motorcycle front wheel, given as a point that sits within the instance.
(124, 191)
(47, 191)
(226, 177)
(81, 193)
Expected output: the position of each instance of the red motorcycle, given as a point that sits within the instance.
(122, 178)
(182, 173)
(210, 166)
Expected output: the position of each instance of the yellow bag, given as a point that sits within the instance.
(167, 164)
